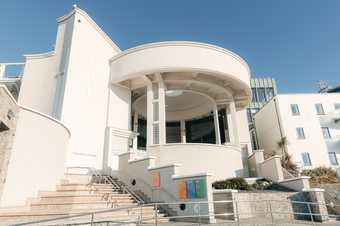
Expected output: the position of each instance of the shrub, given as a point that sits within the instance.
(238, 183)
(262, 185)
(321, 175)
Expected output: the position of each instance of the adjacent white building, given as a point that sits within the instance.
(309, 122)
(87, 101)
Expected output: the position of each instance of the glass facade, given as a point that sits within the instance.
(306, 159)
(200, 130)
(263, 90)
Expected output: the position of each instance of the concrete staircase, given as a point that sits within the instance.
(70, 199)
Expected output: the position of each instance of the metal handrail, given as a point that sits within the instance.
(197, 215)
(149, 187)
(126, 189)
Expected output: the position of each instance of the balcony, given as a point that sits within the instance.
(10, 76)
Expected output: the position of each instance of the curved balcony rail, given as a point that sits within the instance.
(11, 70)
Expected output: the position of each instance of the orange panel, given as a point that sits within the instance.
(156, 179)
(182, 189)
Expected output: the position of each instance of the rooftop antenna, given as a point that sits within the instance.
(323, 86)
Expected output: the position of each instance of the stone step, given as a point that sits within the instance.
(78, 192)
(79, 205)
(46, 194)
(84, 198)
(83, 186)
(11, 213)
(113, 216)
(88, 189)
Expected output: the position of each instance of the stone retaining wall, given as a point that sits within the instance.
(8, 121)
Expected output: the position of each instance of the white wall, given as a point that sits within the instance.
(268, 129)
(85, 100)
(220, 160)
(39, 81)
(317, 146)
(37, 158)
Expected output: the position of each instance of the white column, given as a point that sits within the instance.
(217, 127)
(2, 70)
(161, 108)
(183, 132)
(135, 129)
(234, 127)
(149, 114)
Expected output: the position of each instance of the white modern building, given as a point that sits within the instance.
(310, 124)
(87, 102)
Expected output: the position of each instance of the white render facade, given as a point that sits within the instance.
(83, 104)
(310, 124)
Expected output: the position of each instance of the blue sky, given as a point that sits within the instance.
(296, 42)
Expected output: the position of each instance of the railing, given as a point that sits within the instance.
(11, 70)
(98, 177)
(197, 213)
(149, 187)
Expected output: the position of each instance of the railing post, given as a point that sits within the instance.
(271, 212)
(156, 215)
(237, 213)
(199, 213)
(141, 214)
(310, 213)
(92, 215)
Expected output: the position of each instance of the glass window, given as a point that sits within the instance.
(319, 109)
(306, 159)
(270, 93)
(253, 90)
(337, 106)
(300, 133)
(333, 159)
(326, 133)
(295, 109)
(249, 115)
(261, 92)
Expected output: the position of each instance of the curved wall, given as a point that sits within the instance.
(37, 158)
(220, 160)
(179, 56)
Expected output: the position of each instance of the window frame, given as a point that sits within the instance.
(298, 130)
(337, 106)
(318, 107)
(309, 160)
(292, 109)
(326, 129)
(332, 153)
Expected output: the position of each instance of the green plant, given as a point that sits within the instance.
(262, 185)
(286, 158)
(238, 183)
(321, 175)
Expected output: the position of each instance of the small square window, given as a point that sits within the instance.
(337, 106)
(295, 109)
(325, 132)
(333, 159)
(319, 109)
(300, 133)
(306, 159)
